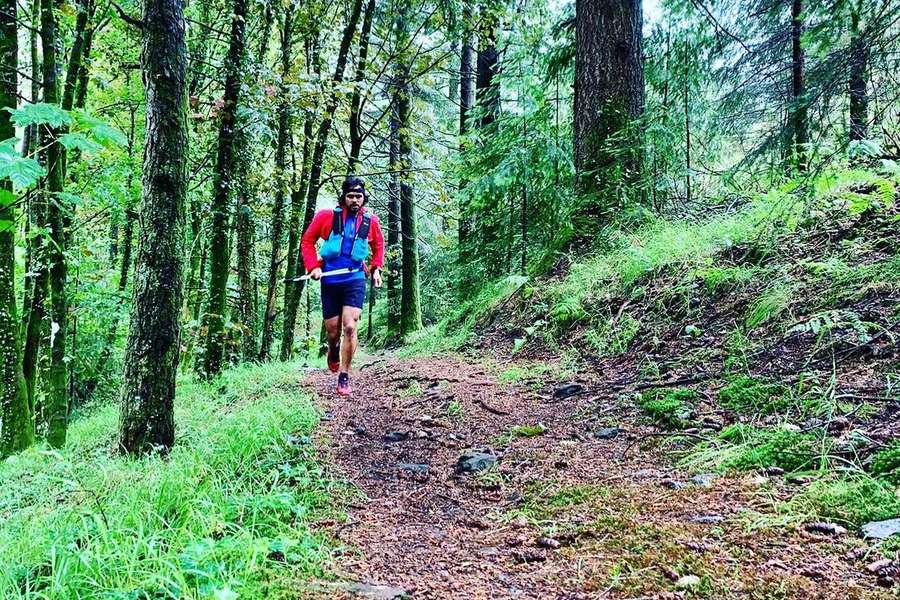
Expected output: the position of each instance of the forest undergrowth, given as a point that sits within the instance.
(228, 513)
(762, 338)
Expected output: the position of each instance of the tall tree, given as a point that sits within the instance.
(16, 422)
(57, 405)
(466, 104)
(356, 100)
(281, 184)
(151, 355)
(859, 62)
(392, 253)
(609, 96)
(410, 304)
(219, 243)
(798, 108)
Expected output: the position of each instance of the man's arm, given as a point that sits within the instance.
(376, 241)
(312, 235)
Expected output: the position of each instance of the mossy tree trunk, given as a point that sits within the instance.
(466, 104)
(356, 100)
(609, 97)
(219, 241)
(392, 252)
(57, 405)
(16, 419)
(281, 143)
(151, 355)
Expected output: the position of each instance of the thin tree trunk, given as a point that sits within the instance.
(219, 243)
(487, 94)
(687, 135)
(466, 103)
(284, 114)
(57, 395)
(859, 63)
(393, 224)
(609, 96)
(356, 135)
(16, 423)
(801, 133)
(151, 356)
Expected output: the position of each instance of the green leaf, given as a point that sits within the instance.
(6, 225)
(78, 141)
(40, 114)
(108, 136)
(23, 172)
(7, 197)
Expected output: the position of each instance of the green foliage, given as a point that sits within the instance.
(885, 464)
(719, 279)
(668, 408)
(753, 396)
(23, 172)
(228, 509)
(853, 499)
(773, 301)
(614, 336)
(744, 447)
(40, 114)
(527, 431)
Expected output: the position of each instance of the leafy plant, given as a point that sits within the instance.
(669, 408)
(753, 396)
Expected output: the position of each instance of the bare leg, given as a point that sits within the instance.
(348, 346)
(333, 332)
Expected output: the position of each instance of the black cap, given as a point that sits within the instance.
(353, 184)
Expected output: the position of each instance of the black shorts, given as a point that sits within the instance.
(335, 296)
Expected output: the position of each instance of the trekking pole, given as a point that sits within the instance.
(325, 274)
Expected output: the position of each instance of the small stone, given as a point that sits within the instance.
(687, 581)
(879, 565)
(560, 464)
(669, 573)
(826, 528)
(759, 480)
(396, 436)
(838, 424)
(567, 390)
(607, 433)
(704, 479)
(415, 468)
(707, 519)
(774, 471)
(421, 434)
(472, 462)
(673, 484)
(529, 556)
(880, 530)
(548, 542)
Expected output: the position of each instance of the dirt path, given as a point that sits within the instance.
(616, 520)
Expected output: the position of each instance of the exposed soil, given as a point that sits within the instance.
(618, 520)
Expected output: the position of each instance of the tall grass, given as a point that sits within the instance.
(226, 512)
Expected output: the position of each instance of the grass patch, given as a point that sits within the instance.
(749, 395)
(745, 447)
(852, 499)
(721, 279)
(669, 409)
(226, 512)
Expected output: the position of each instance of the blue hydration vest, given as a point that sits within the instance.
(347, 247)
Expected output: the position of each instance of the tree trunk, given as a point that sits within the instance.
(293, 290)
(466, 103)
(57, 395)
(801, 133)
(284, 114)
(392, 253)
(219, 243)
(609, 96)
(356, 100)
(244, 228)
(16, 422)
(859, 63)
(487, 93)
(151, 355)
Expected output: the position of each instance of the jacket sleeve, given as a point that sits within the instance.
(376, 241)
(312, 235)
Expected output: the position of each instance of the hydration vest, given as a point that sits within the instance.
(333, 247)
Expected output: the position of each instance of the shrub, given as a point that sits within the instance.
(749, 395)
(669, 408)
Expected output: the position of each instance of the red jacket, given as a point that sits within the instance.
(320, 229)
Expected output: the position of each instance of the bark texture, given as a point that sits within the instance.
(356, 100)
(16, 421)
(151, 355)
(609, 90)
(859, 64)
(798, 118)
(466, 104)
(219, 242)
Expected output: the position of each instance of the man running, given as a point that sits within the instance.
(351, 235)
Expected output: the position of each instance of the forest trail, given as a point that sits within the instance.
(587, 508)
